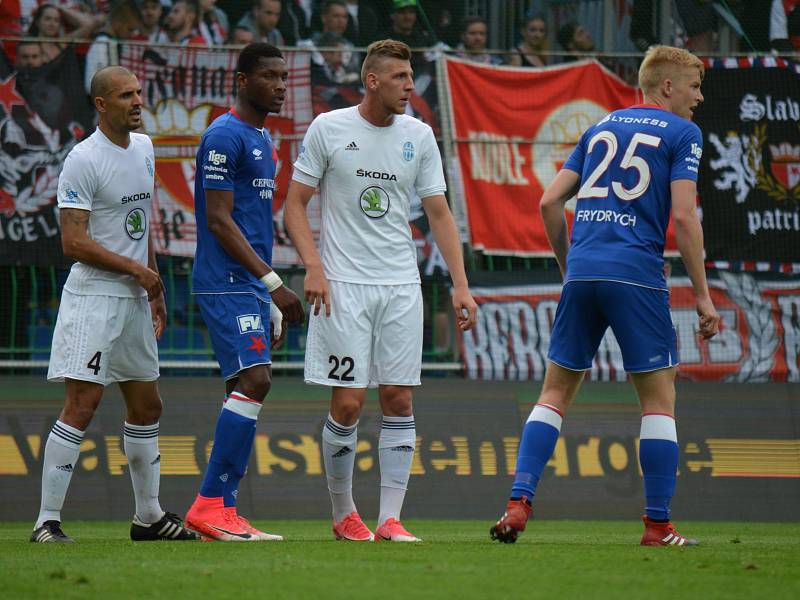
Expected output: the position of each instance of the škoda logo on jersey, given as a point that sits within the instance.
(374, 202)
(136, 224)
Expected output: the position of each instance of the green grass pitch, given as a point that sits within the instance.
(553, 559)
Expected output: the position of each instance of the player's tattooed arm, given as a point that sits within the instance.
(78, 245)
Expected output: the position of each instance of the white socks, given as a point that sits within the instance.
(144, 464)
(395, 454)
(339, 456)
(60, 455)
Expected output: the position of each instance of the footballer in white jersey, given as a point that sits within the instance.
(369, 161)
(370, 176)
(106, 330)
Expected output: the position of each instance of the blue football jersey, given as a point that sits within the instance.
(626, 163)
(235, 156)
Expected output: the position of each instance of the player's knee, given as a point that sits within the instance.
(397, 401)
(346, 411)
(255, 382)
(78, 411)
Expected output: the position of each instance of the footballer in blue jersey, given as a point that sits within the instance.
(243, 301)
(630, 172)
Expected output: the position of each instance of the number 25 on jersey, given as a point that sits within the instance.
(629, 161)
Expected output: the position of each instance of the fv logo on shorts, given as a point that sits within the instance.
(249, 323)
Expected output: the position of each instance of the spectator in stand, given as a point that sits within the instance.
(151, 12)
(29, 55)
(241, 36)
(405, 29)
(123, 21)
(346, 63)
(534, 42)
(474, 34)
(700, 22)
(362, 22)
(213, 21)
(48, 21)
(294, 22)
(262, 20)
(784, 25)
(333, 70)
(334, 19)
(180, 26)
(575, 38)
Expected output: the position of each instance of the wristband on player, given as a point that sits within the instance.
(272, 280)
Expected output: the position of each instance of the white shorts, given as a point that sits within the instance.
(104, 339)
(373, 337)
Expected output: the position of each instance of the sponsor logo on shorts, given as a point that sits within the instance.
(136, 224)
(374, 202)
(249, 323)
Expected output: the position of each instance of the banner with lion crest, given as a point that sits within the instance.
(749, 181)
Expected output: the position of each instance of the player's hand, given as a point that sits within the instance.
(158, 312)
(150, 281)
(709, 319)
(317, 290)
(277, 327)
(466, 309)
(289, 304)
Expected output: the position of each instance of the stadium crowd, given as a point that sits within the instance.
(762, 25)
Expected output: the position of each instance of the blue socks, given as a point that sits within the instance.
(658, 457)
(233, 442)
(538, 442)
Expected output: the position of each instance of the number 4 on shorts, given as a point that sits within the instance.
(94, 363)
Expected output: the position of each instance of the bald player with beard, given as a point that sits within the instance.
(112, 308)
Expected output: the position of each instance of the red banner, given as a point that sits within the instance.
(515, 128)
(184, 90)
(759, 338)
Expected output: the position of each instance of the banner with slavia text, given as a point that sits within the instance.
(515, 128)
(759, 339)
(184, 90)
(749, 180)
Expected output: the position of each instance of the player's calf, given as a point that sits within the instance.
(512, 523)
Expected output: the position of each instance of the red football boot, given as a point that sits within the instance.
(513, 521)
(663, 534)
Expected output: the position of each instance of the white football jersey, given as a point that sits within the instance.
(116, 185)
(368, 176)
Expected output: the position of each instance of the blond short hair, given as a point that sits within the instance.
(381, 49)
(665, 62)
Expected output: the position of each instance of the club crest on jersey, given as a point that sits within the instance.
(374, 202)
(136, 224)
(408, 152)
(149, 164)
(248, 323)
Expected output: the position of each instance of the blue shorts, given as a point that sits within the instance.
(638, 316)
(238, 325)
